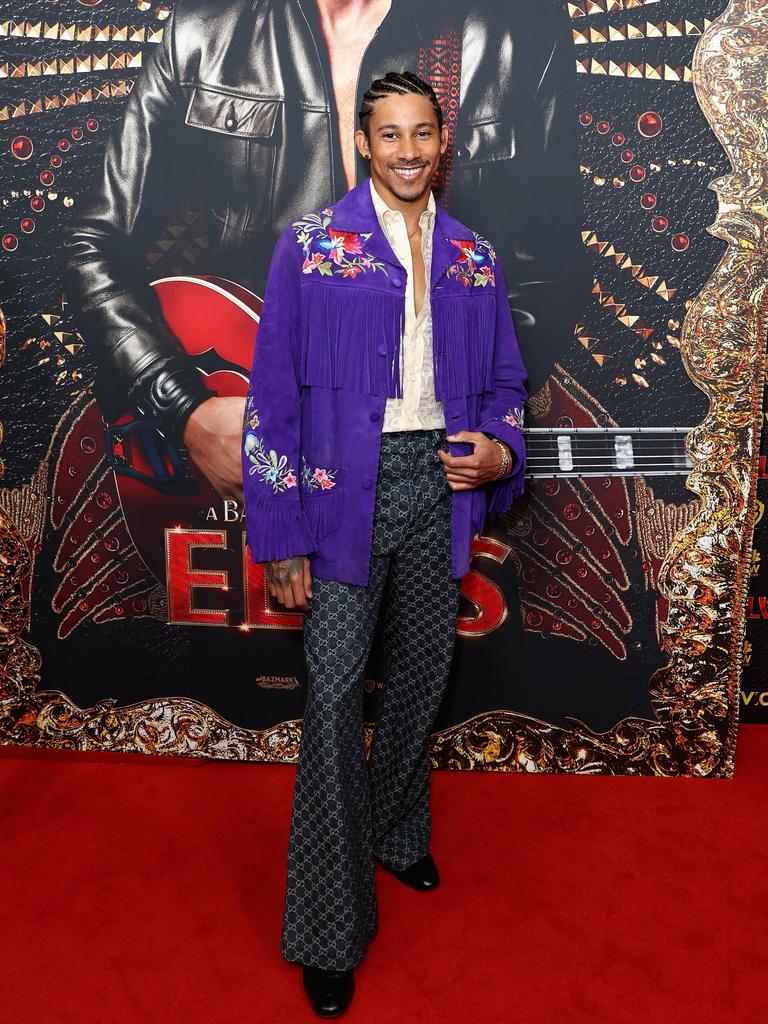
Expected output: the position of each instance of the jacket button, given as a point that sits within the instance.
(231, 122)
(396, 282)
(382, 350)
(375, 416)
(367, 483)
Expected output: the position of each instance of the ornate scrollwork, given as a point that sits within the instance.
(703, 574)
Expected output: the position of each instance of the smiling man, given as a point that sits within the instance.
(382, 424)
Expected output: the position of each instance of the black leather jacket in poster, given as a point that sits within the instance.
(236, 101)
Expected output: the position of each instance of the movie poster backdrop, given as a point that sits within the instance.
(602, 622)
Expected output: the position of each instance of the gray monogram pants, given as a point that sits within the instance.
(346, 809)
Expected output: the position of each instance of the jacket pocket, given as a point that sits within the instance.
(323, 512)
(237, 149)
(241, 117)
(482, 143)
(482, 146)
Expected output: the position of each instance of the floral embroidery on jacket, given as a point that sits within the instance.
(271, 467)
(330, 251)
(476, 262)
(317, 478)
(514, 417)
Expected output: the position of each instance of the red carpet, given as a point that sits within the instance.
(150, 890)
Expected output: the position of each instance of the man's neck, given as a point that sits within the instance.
(348, 26)
(411, 209)
(334, 12)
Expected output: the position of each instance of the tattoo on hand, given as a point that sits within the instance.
(283, 570)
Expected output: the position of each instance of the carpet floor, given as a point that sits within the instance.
(143, 889)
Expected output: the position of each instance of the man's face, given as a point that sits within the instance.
(404, 147)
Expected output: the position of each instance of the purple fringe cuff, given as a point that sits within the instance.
(502, 493)
(277, 529)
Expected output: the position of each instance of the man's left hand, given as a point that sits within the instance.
(465, 472)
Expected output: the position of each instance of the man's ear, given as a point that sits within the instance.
(363, 146)
(444, 139)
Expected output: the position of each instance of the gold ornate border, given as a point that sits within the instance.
(695, 696)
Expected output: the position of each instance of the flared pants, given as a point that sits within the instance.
(348, 810)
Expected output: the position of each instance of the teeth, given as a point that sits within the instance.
(407, 172)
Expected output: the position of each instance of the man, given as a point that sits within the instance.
(385, 333)
(253, 102)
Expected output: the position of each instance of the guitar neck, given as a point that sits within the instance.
(606, 451)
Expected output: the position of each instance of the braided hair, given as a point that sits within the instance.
(396, 83)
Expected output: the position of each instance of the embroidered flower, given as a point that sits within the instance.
(251, 417)
(514, 417)
(312, 263)
(339, 243)
(271, 467)
(317, 478)
(330, 251)
(475, 263)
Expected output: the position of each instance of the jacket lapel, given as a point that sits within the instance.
(354, 212)
(444, 252)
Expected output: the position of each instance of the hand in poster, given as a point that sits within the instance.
(213, 438)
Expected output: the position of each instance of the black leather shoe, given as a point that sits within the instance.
(422, 875)
(330, 992)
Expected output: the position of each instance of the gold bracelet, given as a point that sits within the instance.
(505, 459)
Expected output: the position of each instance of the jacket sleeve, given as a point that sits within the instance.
(276, 525)
(531, 203)
(145, 172)
(501, 410)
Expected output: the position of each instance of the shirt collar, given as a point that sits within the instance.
(385, 212)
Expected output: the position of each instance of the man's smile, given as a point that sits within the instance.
(408, 173)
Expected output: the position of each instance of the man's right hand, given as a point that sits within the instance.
(290, 581)
(213, 436)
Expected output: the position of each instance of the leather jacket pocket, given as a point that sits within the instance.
(238, 151)
(481, 145)
(241, 117)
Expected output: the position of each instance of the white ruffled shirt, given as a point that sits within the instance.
(418, 409)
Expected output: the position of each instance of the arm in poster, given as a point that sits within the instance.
(145, 174)
(517, 178)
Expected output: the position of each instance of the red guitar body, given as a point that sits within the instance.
(216, 322)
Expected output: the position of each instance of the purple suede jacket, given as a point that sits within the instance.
(328, 356)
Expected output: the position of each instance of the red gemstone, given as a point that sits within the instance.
(585, 118)
(680, 242)
(22, 147)
(37, 203)
(92, 124)
(617, 139)
(27, 225)
(10, 243)
(648, 200)
(603, 127)
(63, 145)
(637, 173)
(56, 160)
(660, 224)
(649, 124)
(77, 134)
(627, 156)
(47, 177)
